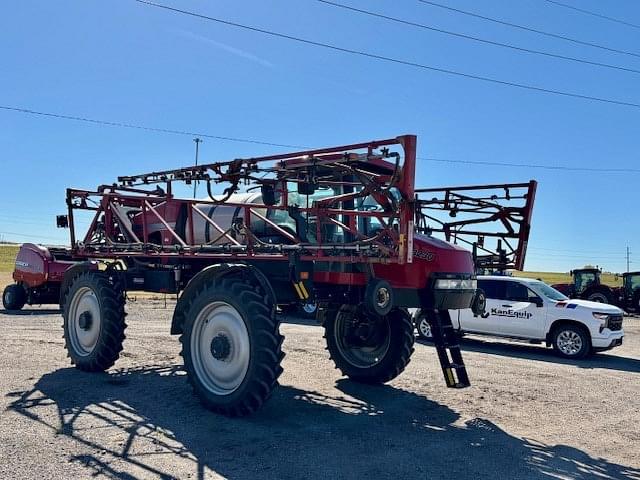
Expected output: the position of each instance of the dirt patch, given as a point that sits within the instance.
(527, 415)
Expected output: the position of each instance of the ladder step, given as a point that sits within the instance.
(448, 349)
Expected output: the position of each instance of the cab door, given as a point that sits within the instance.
(523, 312)
(488, 322)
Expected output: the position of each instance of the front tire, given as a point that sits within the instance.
(231, 345)
(571, 341)
(14, 297)
(368, 348)
(94, 321)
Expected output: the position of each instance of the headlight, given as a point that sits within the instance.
(600, 316)
(456, 284)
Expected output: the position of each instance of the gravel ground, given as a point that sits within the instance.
(527, 415)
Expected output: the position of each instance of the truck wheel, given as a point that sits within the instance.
(369, 348)
(14, 297)
(94, 321)
(422, 325)
(571, 341)
(308, 310)
(636, 302)
(231, 345)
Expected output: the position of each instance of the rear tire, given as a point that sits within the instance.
(363, 360)
(14, 297)
(571, 341)
(94, 321)
(231, 345)
(599, 296)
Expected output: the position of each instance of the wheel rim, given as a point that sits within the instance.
(309, 308)
(383, 296)
(358, 355)
(220, 348)
(85, 319)
(598, 298)
(424, 328)
(569, 342)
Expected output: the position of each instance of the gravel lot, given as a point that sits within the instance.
(527, 415)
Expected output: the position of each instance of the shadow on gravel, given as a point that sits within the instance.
(145, 422)
(542, 354)
(43, 311)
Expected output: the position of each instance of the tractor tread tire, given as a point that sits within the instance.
(112, 322)
(600, 292)
(18, 299)
(396, 359)
(258, 312)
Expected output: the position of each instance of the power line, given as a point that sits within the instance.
(590, 252)
(142, 127)
(594, 14)
(477, 39)
(31, 236)
(534, 165)
(426, 159)
(392, 59)
(530, 29)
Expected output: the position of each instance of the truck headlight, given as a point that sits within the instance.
(456, 284)
(600, 316)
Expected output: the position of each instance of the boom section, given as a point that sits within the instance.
(492, 220)
(352, 203)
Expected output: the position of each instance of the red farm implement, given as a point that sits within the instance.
(342, 228)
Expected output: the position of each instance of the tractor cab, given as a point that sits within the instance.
(585, 278)
(630, 297)
(631, 282)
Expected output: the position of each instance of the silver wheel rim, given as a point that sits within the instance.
(569, 342)
(358, 356)
(383, 297)
(221, 375)
(8, 297)
(309, 308)
(84, 338)
(424, 328)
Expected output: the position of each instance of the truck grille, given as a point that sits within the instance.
(614, 322)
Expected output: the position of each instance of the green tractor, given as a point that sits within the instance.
(587, 285)
(629, 293)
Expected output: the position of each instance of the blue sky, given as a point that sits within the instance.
(123, 61)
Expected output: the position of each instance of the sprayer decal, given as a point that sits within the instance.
(423, 254)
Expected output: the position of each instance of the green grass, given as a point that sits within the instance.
(8, 257)
(556, 277)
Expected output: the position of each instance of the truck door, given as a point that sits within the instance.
(495, 291)
(523, 312)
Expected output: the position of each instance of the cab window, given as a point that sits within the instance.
(518, 292)
(493, 289)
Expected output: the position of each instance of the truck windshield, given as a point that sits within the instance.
(549, 292)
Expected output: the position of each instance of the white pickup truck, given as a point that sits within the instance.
(528, 309)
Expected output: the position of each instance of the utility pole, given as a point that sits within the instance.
(195, 183)
(628, 258)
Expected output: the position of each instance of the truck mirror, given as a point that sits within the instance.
(538, 301)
